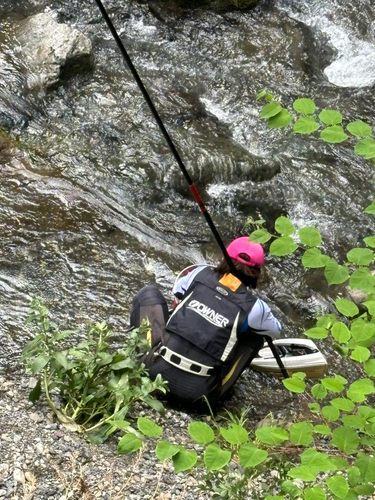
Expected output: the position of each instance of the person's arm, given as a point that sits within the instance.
(262, 321)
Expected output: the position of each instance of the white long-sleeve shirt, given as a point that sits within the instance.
(260, 318)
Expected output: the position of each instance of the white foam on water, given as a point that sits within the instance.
(354, 66)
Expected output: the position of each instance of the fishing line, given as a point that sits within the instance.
(177, 157)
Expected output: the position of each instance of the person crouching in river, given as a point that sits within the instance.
(215, 329)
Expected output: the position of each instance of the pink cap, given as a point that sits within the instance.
(250, 254)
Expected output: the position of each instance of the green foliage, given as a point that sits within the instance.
(97, 386)
(342, 412)
(305, 106)
(328, 122)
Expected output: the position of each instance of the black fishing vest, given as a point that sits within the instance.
(211, 315)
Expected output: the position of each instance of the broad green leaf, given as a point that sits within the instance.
(148, 427)
(334, 273)
(333, 135)
(314, 258)
(362, 386)
(303, 472)
(338, 486)
(165, 450)
(283, 246)
(319, 391)
(155, 404)
(364, 489)
(39, 363)
(36, 392)
(330, 117)
(356, 397)
(301, 433)
(284, 226)
(341, 379)
(330, 413)
(361, 330)
(359, 128)
(362, 279)
(317, 333)
(304, 105)
(366, 148)
(339, 462)
(291, 489)
(360, 354)
(129, 443)
(370, 367)
(354, 421)
(201, 432)
(315, 493)
(120, 365)
(215, 458)
(326, 321)
(370, 241)
(314, 407)
(366, 411)
(310, 236)
(342, 404)
(305, 125)
(236, 434)
(322, 429)
(354, 476)
(360, 256)
(270, 109)
(366, 466)
(346, 439)
(271, 435)
(368, 441)
(370, 209)
(260, 236)
(317, 461)
(251, 456)
(370, 304)
(281, 120)
(294, 384)
(184, 460)
(346, 307)
(333, 384)
(340, 332)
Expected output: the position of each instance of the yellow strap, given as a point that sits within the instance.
(228, 376)
(230, 282)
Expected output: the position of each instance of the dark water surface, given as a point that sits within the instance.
(92, 205)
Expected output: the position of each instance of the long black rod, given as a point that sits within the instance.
(167, 137)
(175, 153)
(271, 345)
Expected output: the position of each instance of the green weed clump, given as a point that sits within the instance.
(95, 386)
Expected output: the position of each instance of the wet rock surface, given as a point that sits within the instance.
(54, 51)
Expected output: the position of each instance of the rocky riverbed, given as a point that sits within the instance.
(40, 459)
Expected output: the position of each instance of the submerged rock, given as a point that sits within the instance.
(53, 50)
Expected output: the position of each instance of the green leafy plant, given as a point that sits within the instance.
(328, 123)
(96, 387)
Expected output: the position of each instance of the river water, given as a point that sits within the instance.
(92, 205)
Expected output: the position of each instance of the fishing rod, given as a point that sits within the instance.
(177, 157)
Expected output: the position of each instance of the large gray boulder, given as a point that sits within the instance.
(52, 50)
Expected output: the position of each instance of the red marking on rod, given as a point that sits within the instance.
(198, 198)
